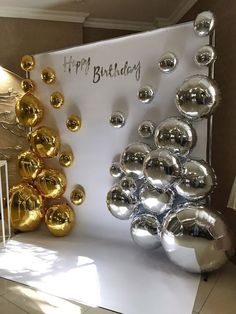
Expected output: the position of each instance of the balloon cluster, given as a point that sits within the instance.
(165, 191)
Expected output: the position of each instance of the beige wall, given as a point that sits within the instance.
(96, 34)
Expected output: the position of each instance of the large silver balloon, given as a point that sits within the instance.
(155, 201)
(132, 159)
(196, 238)
(197, 97)
(121, 203)
(167, 62)
(162, 168)
(146, 94)
(204, 23)
(145, 231)
(117, 119)
(176, 135)
(128, 184)
(115, 170)
(146, 129)
(205, 56)
(198, 180)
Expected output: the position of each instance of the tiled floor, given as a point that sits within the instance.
(217, 295)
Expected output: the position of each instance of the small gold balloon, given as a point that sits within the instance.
(60, 219)
(29, 110)
(29, 165)
(27, 85)
(48, 75)
(66, 159)
(56, 100)
(73, 123)
(44, 141)
(27, 63)
(51, 183)
(77, 196)
(26, 207)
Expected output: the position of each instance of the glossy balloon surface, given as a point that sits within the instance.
(167, 62)
(29, 165)
(204, 23)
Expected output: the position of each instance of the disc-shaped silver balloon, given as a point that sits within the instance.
(204, 23)
(167, 62)
(146, 129)
(132, 159)
(121, 203)
(196, 238)
(115, 170)
(205, 56)
(117, 119)
(197, 98)
(155, 201)
(176, 135)
(128, 184)
(146, 94)
(145, 231)
(198, 180)
(162, 168)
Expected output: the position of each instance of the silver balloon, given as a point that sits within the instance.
(146, 94)
(162, 168)
(146, 129)
(145, 231)
(197, 98)
(155, 201)
(205, 56)
(132, 159)
(204, 23)
(121, 203)
(198, 180)
(196, 238)
(128, 184)
(115, 170)
(167, 62)
(176, 135)
(117, 120)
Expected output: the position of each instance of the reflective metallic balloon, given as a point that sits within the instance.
(146, 94)
(26, 207)
(115, 170)
(145, 231)
(198, 180)
(128, 184)
(66, 159)
(197, 98)
(44, 141)
(29, 110)
(27, 63)
(176, 135)
(77, 196)
(162, 168)
(48, 75)
(156, 201)
(205, 56)
(29, 165)
(51, 183)
(60, 219)
(27, 85)
(73, 123)
(56, 100)
(121, 203)
(146, 129)
(167, 62)
(132, 159)
(117, 120)
(204, 23)
(196, 238)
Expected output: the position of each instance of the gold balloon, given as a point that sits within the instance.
(66, 159)
(73, 123)
(29, 165)
(51, 183)
(77, 196)
(26, 207)
(56, 100)
(48, 75)
(29, 110)
(27, 63)
(27, 85)
(60, 219)
(44, 141)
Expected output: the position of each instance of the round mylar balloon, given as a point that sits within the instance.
(27, 63)
(29, 165)
(196, 238)
(205, 56)
(162, 168)
(51, 183)
(44, 141)
(204, 23)
(128, 184)
(27, 85)
(145, 231)
(198, 180)
(60, 219)
(197, 98)
(132, 159)
(26, 207)
(121, 203)
(167, 62)
(29, 110)
(176, 135)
